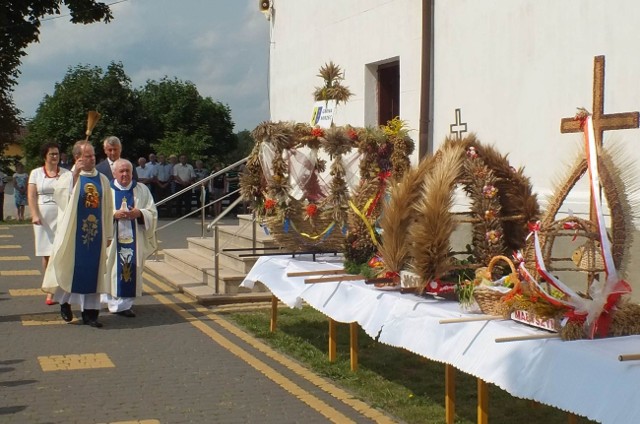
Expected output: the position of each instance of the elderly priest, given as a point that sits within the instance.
(134, 239)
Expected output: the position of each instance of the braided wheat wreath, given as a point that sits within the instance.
(418, 238)
(316, 220)
(618, 184)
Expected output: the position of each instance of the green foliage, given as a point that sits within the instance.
(359, 269)
(244, 147)
(62, 116)
(182, 121)
(167, 116)
(20, 26)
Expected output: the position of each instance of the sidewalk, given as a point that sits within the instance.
(176, 362)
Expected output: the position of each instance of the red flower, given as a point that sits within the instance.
(352, 134)
(317, 132)
(269, 204)
(312, 210)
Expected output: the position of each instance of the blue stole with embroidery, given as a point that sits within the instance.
(88, 235)
(126, 270)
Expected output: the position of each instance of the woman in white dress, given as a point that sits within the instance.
(44, 210)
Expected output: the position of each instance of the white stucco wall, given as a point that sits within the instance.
(351, 33)
(515, 68)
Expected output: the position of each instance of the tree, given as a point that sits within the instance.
(182, 121)
(62, 116)
(168, 116)
(245, 146)
(20, 26)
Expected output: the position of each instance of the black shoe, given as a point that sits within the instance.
(95, 324)
(92, 318)
(127, 313)
(65, 312)
(85, 317)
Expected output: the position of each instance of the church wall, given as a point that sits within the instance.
(515, 68)
(305, 35)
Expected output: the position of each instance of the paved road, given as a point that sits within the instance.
(177, 362)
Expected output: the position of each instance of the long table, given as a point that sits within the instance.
(584, 377)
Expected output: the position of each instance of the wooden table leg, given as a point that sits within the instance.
(274, 314)
(332, 340)
(450, 394)
(483, 402)
(353, 345)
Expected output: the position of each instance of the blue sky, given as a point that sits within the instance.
(222, 46)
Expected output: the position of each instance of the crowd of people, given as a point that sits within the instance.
(95, 224)
(164, 176)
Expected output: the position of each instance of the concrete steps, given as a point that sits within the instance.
(192, 269)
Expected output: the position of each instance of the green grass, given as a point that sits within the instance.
(401, 383)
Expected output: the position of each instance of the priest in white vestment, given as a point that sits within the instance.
(76, 269)
(134, 239)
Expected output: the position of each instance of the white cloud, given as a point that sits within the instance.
(222, 47)
(207, 40)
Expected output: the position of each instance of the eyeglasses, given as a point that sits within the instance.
(53, 154)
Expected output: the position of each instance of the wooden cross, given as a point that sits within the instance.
(458, 127)
(601, 122)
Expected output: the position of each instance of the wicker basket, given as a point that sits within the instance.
(489, 299)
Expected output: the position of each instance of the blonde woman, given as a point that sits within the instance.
(44, 210)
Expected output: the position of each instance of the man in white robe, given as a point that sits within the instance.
(134, 237)
(76, 269)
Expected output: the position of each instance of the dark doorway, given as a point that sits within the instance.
(388, 92)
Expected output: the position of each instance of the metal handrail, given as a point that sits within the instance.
(203, 184)
(201, 208)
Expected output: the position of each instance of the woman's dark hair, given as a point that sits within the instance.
(46, 146)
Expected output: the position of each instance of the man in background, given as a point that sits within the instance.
(113, 149)
(64, 161)
(163, 173)
(184, 176)
(145, 174)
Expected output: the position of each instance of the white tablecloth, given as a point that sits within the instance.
(584, 377)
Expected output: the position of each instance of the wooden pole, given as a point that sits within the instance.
(333, 279)
(274, 314)
(483, 402)
(528, 337)
(318, 272)
(631, 357)
(450, 394)
(471, 319)
(332, 340)
(353, 345)
(572, 418)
